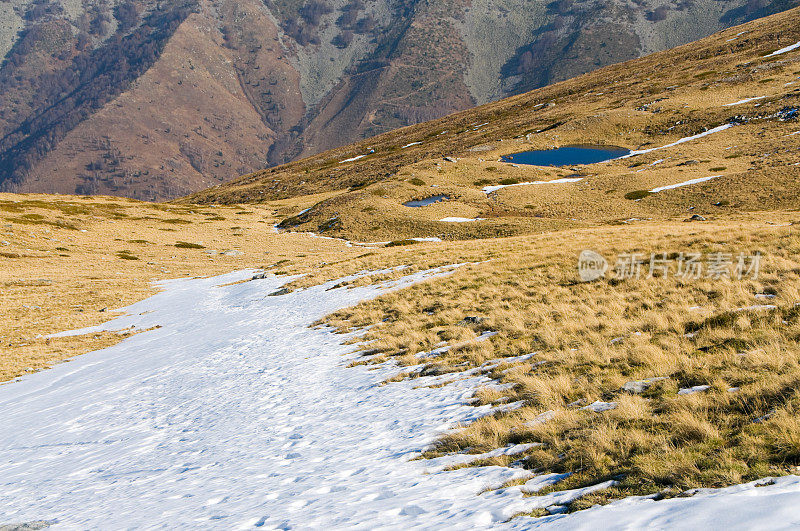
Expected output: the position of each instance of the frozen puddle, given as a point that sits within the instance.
(236, 414)
(418, 203)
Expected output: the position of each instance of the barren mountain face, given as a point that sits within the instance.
(154, 100)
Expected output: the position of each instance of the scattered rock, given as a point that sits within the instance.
(27, 526)
(764, 417)
(471, 320)
(640, 386)
(437, 370)
(451, 159)
(696, 217)
(260, 276)
(599, 406)
(282, 291)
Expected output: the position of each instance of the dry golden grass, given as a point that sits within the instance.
(591, 339)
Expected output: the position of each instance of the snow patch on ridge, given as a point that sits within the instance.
(684, 183)
(678, 142)
(563, 180)
(784, 50)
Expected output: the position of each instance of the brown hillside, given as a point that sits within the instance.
(644, 103)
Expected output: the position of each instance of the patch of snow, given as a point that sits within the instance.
(234, 413)
(784, 50)
(693, 390)
(459, 220)
(685, 183)
(563, 497)
(431, 239)
(411, 144)
(513, 359)
(746, 100)
(769, 503)
(736, 36)
(353, 159)
(563, 180)
(659, 161)
(501, 387)
(678, 142)
(446, 461)
(505, 408)
(756, 307)
(541, 418)
(446, 348)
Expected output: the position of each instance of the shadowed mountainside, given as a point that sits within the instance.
(154, 100)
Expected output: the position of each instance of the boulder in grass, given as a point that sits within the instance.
(640, 386)
(600, 406)
(470, 321)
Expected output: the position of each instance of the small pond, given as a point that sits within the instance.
(567, 156)
(427, 201)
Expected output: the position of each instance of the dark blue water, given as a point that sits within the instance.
(427, 201)
(567, 156)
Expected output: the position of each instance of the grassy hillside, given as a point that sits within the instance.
(664, 382)
(155, 100)
(645, 103)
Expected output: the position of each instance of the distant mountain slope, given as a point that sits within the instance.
(712, 127)
(154, 100)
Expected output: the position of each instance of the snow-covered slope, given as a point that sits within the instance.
(233, 413)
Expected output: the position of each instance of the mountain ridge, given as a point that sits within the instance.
(317, 75)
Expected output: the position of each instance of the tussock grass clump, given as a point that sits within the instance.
(126, 255)
(187, 245)
(637, 194)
